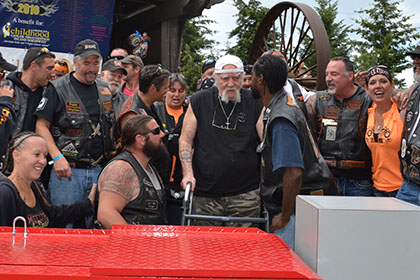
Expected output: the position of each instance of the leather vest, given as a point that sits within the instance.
(316, 178)
(137, 105)
(299, 97)
(20, 106)
(74, 131)
(149, 207)
(410, 144)
(340, 133)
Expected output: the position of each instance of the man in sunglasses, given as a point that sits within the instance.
(217, 147)
(75, 117)
(22, 93)
(118, 53)
(130, 188)
(339, 118)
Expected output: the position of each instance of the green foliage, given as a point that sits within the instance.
(385, 35)
(248, 18)
(337, 32)
(194, 44)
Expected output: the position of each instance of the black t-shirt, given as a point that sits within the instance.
(35, 216)
(33, 100)
(52, 107)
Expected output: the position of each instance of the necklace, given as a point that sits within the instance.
(224, 113)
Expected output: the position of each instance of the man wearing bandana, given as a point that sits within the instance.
(340, 116)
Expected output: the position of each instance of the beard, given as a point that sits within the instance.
(157, 153)
(416, 75)
(254, 93)
(114, 87)
(225, 96)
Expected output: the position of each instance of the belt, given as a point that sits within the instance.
(345, 163)
(84, 164)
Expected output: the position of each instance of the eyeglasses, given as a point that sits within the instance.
(41, 52)
(154, 131)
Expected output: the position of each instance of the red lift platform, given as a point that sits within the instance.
(148, 252)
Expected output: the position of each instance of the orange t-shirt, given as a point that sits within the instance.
(386, 174)
(176, 113)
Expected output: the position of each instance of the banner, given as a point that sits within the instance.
(56, 24)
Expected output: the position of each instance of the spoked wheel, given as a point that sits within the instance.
(297, 31)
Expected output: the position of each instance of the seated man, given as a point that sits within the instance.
(130, 189)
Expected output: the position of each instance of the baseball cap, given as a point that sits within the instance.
(416, 51)
(87, 48)
(132, 59)
(226, 60)
(6, 65)
(113, 65)
(248, 69)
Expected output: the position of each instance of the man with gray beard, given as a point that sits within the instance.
(222, 124)
(415, 56)
(112, 73)
(339, 115)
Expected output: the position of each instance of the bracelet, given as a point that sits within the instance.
(54, 159)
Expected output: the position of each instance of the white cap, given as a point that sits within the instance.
(229, 59)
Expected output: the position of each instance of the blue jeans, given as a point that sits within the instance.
(380, 193)
(288, 232)
(67, 192)
(352, 187)
(409, 192)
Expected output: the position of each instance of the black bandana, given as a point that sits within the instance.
(378, 70)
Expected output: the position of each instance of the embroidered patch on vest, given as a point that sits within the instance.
(241, 117)
(332, 111)
(104, 91)
(4, 116)
(107, 104)
(409, 116)
(69, 150)
(73, 132)
(331, 133)
(413, 171)
(290, 101)
(415, 155)
(325, 97)
(152, 205)
(403, 148)
(354, 105)
(73, 107)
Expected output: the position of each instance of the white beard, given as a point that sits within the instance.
(416, 77)
(225, 96)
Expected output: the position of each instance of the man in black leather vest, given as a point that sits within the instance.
(290, 161)
(340, 118)
(18, 103)
(75, 118)
(130, 189)
(221, 124)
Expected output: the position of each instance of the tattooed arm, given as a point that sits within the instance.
(117, 186)
(189, 128)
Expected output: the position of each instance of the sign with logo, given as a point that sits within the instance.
(56, 24)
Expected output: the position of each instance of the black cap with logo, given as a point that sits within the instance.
(113, 65)
(87, 48)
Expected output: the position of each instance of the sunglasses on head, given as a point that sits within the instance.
(41, 52)
(61, 63)
(177, 75)
(209, 61)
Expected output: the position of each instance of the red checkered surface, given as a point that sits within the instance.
(130, 252)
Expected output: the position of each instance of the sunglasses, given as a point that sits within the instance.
(177, 75)
(61, 63)
(154, 131)
(41, 52)
(209, 62)
(3, 74)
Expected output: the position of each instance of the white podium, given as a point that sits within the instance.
(358, 237)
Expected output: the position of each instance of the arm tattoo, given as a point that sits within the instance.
(119, 179)
(185, 155)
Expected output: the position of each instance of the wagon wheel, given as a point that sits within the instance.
(297, 31)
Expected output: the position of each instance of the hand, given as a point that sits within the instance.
(187, 179)
(360, 78)
(279, 221)
(62, 168)
(92, 194)
(6, 90)
(401, 97)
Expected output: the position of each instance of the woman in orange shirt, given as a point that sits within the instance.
(384, 130)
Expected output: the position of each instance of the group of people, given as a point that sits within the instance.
(249, 138)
